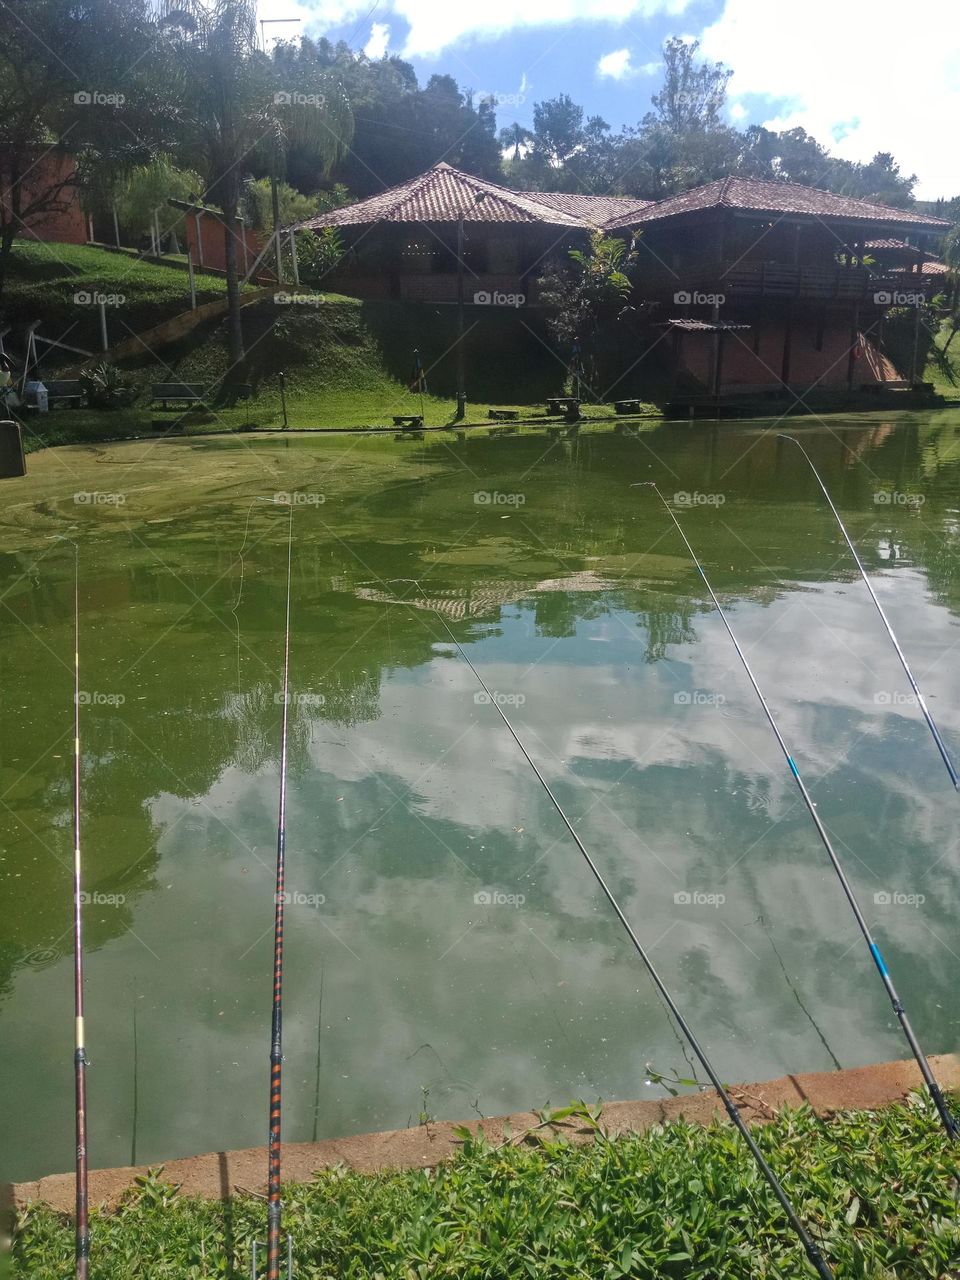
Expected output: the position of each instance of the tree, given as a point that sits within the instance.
(693, 93)
(258, 205)
(147, 189)
(50, 118)
(233, 109)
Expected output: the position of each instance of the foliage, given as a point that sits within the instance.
(258, 205)
(878, 1190)
(105, 387)
(592, 286)
(147, 189)
(318, 253)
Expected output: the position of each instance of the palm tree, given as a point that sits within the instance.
(233, 114)
(951, 256)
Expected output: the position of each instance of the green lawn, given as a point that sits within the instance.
(878, 1192)
(44, 279)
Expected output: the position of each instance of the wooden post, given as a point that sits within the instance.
(293, 257)
(787, 344)
(854, 340)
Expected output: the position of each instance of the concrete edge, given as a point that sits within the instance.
(218, 1174)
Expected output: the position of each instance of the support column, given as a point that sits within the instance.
(854, 339)
(787, 344)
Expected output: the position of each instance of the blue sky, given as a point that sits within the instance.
(860, 79)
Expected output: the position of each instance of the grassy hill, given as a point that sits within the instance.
(45, 279)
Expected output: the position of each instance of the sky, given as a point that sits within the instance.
(860, 79)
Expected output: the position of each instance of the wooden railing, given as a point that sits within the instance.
(784, 280)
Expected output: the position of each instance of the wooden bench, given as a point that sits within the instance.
(504, 415)
(185, 392)
(562, 404)
(64, 391)
(408, 421)
(626, 406)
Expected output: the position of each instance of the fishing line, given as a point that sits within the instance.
(949, 1121)
(921, 702)
(810, 1248)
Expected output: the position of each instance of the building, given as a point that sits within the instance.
(49, 194)
(743, 285)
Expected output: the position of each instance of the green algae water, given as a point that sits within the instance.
(447, 952)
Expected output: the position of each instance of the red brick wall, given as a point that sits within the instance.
(66, 226)
(742, 367)
(204, 232)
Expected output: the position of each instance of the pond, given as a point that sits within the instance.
(447, 951)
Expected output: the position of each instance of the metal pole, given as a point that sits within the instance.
(193, 283)
(199, 230)
(243, 244)
(104, 340)
(283, 398)
(116, 228)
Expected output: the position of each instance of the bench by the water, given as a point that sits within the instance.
(64, 391)
(626, 406)
(409, 421)
(184, 392)
(568, 405)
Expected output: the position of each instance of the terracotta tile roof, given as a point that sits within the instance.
(445, 194)
(597, 210)
(754, 195)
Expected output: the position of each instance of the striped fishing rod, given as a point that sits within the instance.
(921, 702)
(82, 1243)
(949, 1121)
(274, 1208)
(813, 1253)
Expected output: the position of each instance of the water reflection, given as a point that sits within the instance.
(405, 991)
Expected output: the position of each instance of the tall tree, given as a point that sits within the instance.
(693, 92)
(234, 110)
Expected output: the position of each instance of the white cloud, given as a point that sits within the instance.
(376, 47)
(806, 58)
(435, 25)
(616, 65)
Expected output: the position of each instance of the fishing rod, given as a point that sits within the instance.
(950, 1124)
(82, 1244)
(810, 1248)
(931, 724)
(274, 1208)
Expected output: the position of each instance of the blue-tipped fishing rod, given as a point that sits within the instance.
(813, 1253)
(931, 724)
(949, 1121)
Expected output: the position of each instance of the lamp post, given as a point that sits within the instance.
(478, 199)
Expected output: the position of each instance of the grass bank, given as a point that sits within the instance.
(878, 1189)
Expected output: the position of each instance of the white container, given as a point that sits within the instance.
(36, 394)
